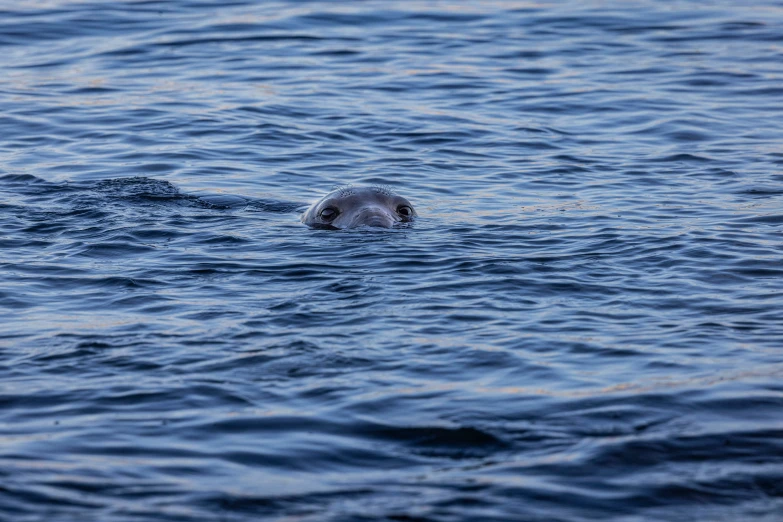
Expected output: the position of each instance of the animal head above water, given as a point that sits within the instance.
(351, 207)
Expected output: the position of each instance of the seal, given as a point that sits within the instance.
(351, 207)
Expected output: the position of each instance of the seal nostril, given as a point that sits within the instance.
(374, 217)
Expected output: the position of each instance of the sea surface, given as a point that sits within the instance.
(585, 323)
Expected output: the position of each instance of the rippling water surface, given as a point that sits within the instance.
(586, 322)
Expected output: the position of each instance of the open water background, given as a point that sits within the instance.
(586, 322)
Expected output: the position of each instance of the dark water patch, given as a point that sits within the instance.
(459, 442)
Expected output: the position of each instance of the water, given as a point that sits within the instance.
(585, 323)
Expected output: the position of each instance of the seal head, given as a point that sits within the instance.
(352, 207)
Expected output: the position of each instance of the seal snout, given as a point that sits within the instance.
(374, 217)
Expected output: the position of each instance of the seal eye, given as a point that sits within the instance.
(328, 214)
(405, 211)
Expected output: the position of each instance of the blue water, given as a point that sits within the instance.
(585, 323)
